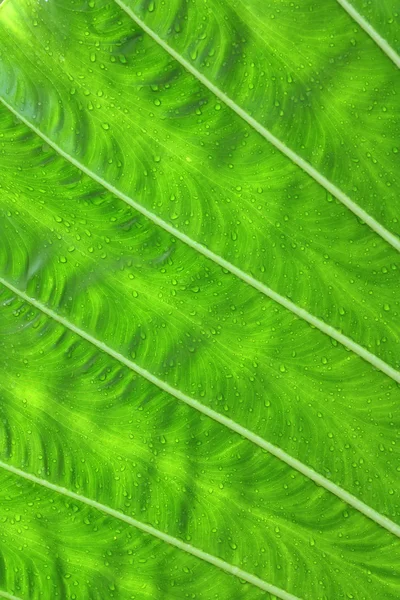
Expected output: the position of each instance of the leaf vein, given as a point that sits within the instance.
(172, 541)
(373, 34)
(385, 234)
(300, 312)
(8, 596)
(252, 437)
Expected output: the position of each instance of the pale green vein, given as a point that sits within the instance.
(392, 239)
(9, 596)
(209, 558)
(368, 356)
(373, 34)
(209, 412)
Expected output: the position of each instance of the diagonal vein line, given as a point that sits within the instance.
(368, 356)
(212, 414)
(373, 34)
(8, 596)
(389, 237)
(209, 558)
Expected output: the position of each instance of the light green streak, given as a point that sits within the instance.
(9, 596)
(209, 412)
(389, 237)
(373, 34)
(368, 356)
(168, 539)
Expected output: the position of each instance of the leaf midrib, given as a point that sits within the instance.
(384, 233)
(145, 528)
(292, 462)
(300, 312)
(8, 596)
(369, 30)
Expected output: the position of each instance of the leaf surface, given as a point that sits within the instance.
(195, 332)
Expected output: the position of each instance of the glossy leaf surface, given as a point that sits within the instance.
(199, 323)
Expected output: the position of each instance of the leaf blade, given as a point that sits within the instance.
(389, 237)
(143, 478)
(92, 261)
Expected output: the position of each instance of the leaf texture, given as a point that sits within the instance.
(379, 20)
(194, 331)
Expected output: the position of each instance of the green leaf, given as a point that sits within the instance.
(378, 19)
(199, 324)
